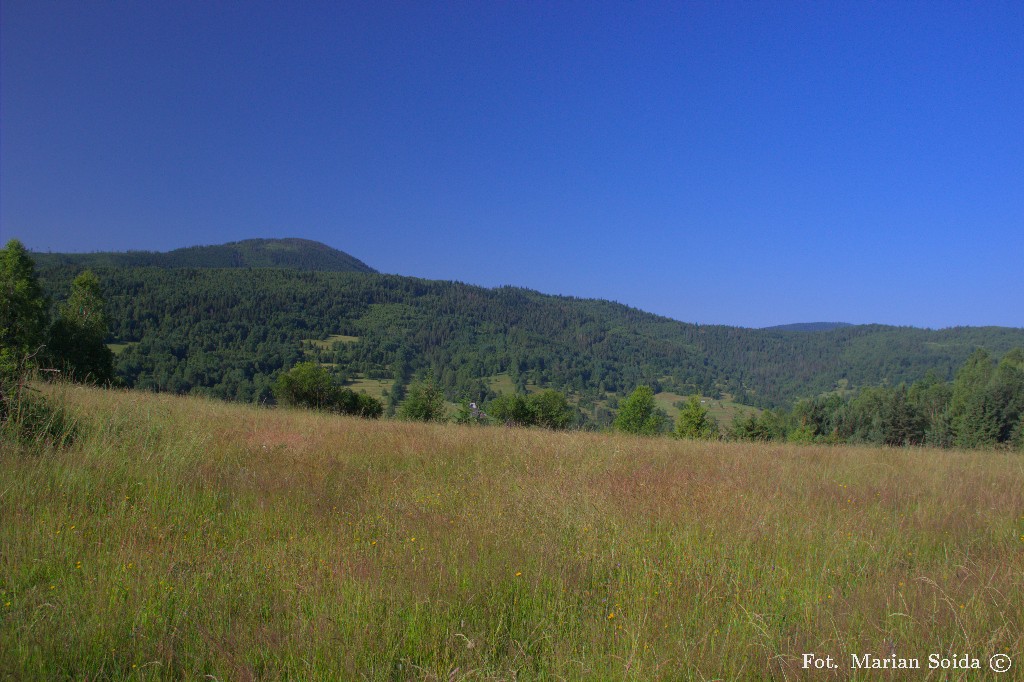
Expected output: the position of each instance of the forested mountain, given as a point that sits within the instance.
(229, 332)
(297, 254)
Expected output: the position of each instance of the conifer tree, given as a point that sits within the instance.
(694, 421)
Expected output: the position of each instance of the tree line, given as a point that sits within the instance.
(982, 407)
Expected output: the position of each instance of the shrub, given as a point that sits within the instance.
(310, 385)
(424, 402)
(29, 418)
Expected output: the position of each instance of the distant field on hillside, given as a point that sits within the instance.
(184, 538)
(724, 410)
(374, 387)
(332, 340)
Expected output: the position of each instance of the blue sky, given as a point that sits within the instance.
(746, 163)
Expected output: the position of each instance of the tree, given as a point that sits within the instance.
(359, 404)
(551, 410)
(511, 409)
(639, 414)
(695, 421)
(23, 308)
(77, 339)
(1007, 391)
(767, 426)
(307, 384)
(24, 417)
(424, 402)
(974, 414)
(817, 419)
(931, 397)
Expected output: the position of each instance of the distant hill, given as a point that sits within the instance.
(807, 327)
(293, 254)
(228, 332)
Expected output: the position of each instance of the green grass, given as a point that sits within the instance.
(186, 538)
(502, 383)
(724, 410)
(118, 348)
(373, 387)
(331, 341)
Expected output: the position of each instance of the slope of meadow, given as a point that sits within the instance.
(183, 538)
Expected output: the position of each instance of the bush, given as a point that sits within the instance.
(511, 409)
(548, 409)
(29, 418)
(310, 385)
(551, 410)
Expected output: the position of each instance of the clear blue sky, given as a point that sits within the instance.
(747, 163)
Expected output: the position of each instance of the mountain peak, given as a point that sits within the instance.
(292, 253)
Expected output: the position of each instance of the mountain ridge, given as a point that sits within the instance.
(290, 252)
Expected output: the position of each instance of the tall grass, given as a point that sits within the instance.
(183, 538)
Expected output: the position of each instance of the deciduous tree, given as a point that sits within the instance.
(639, 413)
(77, 340)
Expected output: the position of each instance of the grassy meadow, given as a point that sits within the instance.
(187, 538)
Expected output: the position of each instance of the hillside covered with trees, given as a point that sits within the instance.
(228, 332)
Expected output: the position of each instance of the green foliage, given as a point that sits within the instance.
(817, 419)
(983, 407)
(26, 417)
(551, 410)
(1017, 435)
(424, 402)
(639, 414)
(548, 409)
(931, 397)
(30, 419)
(307, 384)
(23, 309)
(310, 385)
(77, 337)
(801, 434)
(884, 416)
(511, 409)
(695, 422)
(973, 416)
(987, 400)
(767, 426)
(360, 404)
